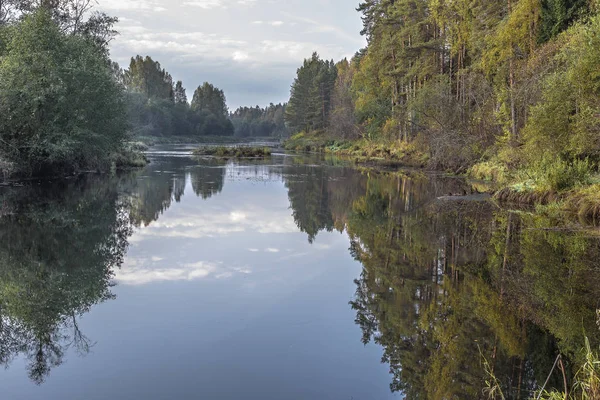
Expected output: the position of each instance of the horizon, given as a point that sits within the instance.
(250, 49)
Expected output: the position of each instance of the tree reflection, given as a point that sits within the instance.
(59, 245)
(208, 177)
(445, 285)
(449, 281)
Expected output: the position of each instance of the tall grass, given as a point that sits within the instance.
(586, 383)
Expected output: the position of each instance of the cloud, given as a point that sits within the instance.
(206, 4)
(142, 271)
(131, 274)
(236, 47)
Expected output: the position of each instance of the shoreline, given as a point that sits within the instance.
(581, 200)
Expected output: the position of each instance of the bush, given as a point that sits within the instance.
(556, 174)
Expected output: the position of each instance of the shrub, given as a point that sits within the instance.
(553, 173)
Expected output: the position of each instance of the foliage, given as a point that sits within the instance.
(61, 109)
(210, 99)
(310, 99)
(465, 78)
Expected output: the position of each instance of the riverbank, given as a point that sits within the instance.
(130, 156)
(361, 151)
(569, 187)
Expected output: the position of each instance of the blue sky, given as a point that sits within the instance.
(249, 48)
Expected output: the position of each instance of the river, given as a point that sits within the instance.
(294, 277)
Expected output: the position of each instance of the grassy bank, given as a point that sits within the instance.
(130, 156)
(233, 152)
(572, 187)
(387, 153)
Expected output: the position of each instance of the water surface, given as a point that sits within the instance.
(293, 277)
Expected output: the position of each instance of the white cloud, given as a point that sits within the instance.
(131, 274)
(141, 271)
(236, 48)
(206, 4)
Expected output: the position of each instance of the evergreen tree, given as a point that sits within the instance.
(211, 99)
(180, 96)
(310, 97)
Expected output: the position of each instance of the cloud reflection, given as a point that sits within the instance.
(141, 272)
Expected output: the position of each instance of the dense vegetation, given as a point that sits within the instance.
(260, 122)
(506, 90)
(60, 108)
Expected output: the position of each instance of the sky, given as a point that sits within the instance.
(249, 48)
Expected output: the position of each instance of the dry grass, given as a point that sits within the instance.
(586, 201)
(527, 197)
(391, 153)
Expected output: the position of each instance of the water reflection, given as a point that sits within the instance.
(447, 284)
(446, 280)
(59, 246)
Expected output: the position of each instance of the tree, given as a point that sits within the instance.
(61, 108)
(146, 76)
(310, 96)
(75, 17)
(211, 99)
(260, 122)
(180, 96)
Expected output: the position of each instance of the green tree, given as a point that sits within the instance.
(180, 95)
(210, 99)
(61, 108)
(310, 97)
(146, 76)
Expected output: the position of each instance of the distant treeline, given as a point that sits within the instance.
(158, 106)
(260, 122)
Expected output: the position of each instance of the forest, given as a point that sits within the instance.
(506, 91)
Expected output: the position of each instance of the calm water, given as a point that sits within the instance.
(292, 278)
